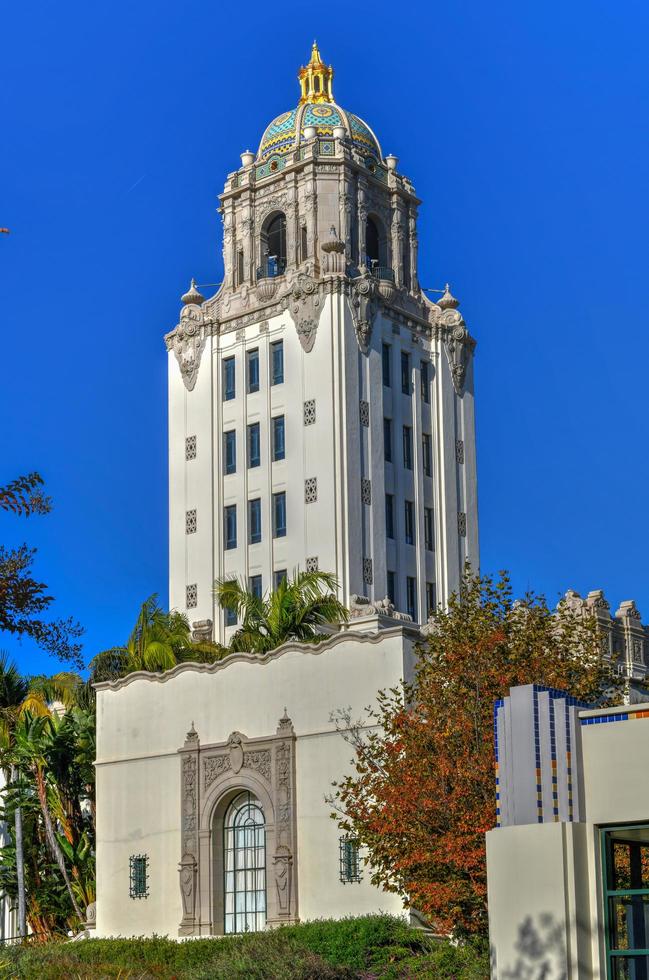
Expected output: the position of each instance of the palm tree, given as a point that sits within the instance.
(159, 641)
(13, 691)
(296, 610)
(32, 739)
(23, 701)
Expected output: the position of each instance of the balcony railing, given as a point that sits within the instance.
(271, 268)
(383, 272)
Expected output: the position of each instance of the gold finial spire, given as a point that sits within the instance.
(315, 79)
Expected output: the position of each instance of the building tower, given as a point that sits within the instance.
(320, 405)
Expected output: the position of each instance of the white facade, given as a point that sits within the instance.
(333, 309)
(148, 806)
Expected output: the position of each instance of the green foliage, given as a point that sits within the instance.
(159, 640)
(293, 611)
(23, 496)
(378, 947)
(48, 759)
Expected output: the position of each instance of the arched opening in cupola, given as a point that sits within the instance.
(273, 246)
(375, 244)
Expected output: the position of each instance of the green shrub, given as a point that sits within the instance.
(377, 947)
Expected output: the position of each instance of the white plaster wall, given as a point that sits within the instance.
(143, 724)
(616, 763)
(539, 895)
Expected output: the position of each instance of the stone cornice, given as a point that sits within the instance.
(259, 659)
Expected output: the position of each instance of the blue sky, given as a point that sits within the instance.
(523, 128)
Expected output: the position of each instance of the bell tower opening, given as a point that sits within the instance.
(273, 247)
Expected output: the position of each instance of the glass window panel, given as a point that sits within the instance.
(244, 838)
(630, 967)
(629, 921)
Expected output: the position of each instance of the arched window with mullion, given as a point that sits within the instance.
(244, 865)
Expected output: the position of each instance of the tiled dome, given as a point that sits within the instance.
(281, 135)
(316, 108)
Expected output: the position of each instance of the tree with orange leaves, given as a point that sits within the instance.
(422, 794)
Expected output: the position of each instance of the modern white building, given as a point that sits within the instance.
(320, 405)
(568, 867)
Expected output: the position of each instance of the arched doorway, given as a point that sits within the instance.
(244, 865)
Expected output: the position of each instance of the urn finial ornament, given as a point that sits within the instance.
(192, 295)
(448, 301)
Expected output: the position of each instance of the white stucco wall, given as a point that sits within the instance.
(143, 723)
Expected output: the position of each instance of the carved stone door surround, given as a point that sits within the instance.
(211, 775)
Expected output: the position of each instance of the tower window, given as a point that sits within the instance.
(409, 522)
(425, 381)
(273, 247)
(372, 243)
(392, 592)
(405, 373)
(387, 374)
(411, 597)
(254, 447)
(431, 598)
(429, 533)
(230, 526)
(254, 520)
(239, 267)
(389, 515)
(387, 440)
(253, 370)
(407, 447)
(255, 586)
(278, 441)
(228, 379)
(426, 454)
(279, 515)
(277, 362)
(304, 243)
(278, 577)
(230, 451)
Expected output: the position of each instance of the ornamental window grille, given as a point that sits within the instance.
(138, 876)
(365, 412)
(309, 412)
(461, 524)
(190, 522)
(191, 596)
(366, 491)
(190, 447)
(350, 860)
(312, 564)
(368, 577)
(459, 450)
(311, 490)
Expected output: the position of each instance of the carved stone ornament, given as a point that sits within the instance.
(459, 346)
(211, 776)
(187, 342)
(360, 605)
(305, 306)
(202, 630)
(363, 305)
(333, 259)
